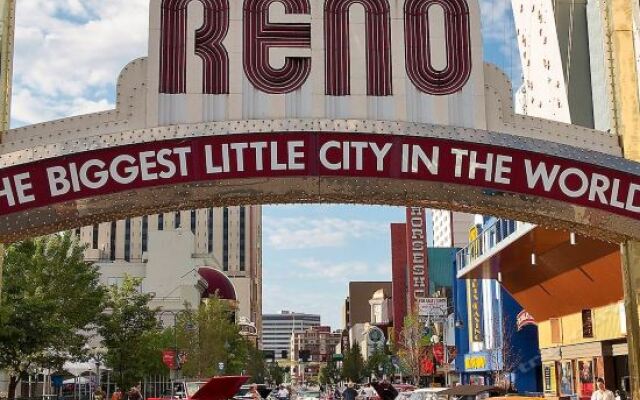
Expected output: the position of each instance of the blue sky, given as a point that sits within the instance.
(67, 58)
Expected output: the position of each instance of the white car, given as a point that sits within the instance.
(309, 395)
(427, 394)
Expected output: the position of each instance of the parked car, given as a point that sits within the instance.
(244, 392)
(472, 392)
(217, 388)
(310, 395)
(428, 394)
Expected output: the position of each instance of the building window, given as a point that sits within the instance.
(225, 240)
(145, 233)
(243, 218)
(556, 330)
(127, 240)
(210, 231)
(587, 324)
(112, 241)
(193, 221)
(160, 222)
(94, 238)
(176, 221)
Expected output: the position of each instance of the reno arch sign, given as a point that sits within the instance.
(281, 101)
(261, 34)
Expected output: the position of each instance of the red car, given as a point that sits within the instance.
(216, 388)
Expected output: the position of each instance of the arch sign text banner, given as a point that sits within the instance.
(280, 101)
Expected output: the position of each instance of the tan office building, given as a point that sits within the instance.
(167, 250)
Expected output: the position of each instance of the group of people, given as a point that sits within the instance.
(383, 390)
(134, 393)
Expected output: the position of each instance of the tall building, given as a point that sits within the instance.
(277, 330)
(310, 350)
(571, 285)
(357, 309)
(564, 52)
(450, 228)
(495, 346)
(168, 250)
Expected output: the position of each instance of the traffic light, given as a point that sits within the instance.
(304, 355)
(269, 355)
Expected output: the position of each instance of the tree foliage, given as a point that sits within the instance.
(51, 297)
(379, 363)
(353, 367)
(256, 365)
(504, 356)
(129, 332)
(330, 374)
(210, 338)
(412, 346)
(276, 374)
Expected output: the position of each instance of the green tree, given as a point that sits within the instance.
(50, 298)
(129, 331)
(276, 374)
(379, 363)
(412, 346)
(211, 338)
(330, 374)
(353, 367)
(255, 364)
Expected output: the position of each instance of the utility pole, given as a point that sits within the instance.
(7, 28)
(620, 15)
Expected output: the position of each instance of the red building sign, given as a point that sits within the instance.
(417, 256)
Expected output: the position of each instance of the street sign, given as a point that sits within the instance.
(434, 307)
(221, 366)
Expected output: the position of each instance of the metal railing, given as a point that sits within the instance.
(488, 240)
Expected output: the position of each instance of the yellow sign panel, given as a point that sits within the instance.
(549, 378)
(475, 362)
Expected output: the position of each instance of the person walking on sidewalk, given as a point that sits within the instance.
(602, 393)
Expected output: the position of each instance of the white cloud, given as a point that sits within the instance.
(306, 233)
(69, 53)
(497, 18)
(342, 271)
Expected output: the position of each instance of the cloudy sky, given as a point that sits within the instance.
(67, 57)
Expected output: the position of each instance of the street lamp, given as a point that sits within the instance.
(98, 354)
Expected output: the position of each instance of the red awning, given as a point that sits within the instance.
(220, 388)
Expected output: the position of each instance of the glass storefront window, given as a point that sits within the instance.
(566, 378)
(585, 378)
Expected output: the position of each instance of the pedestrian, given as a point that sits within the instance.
(283, 393)
(602, 393)
(350, 393)
(253, 391)
(117, 395)
(135, 394)
(336, 393)
(99, 394)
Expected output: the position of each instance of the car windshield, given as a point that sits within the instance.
(193, 387)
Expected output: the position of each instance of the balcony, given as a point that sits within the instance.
(548, 271)
(490, 241)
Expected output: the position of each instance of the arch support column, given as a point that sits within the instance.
(620, 15)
